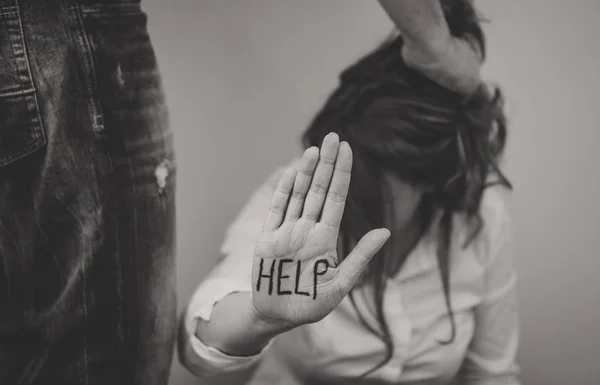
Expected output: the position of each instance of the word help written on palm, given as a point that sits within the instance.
(296, 275)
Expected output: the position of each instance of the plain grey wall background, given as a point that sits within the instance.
(243, 78)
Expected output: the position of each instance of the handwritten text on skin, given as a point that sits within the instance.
(281, 277)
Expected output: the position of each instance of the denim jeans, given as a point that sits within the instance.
(87, 187)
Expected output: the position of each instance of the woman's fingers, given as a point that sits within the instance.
(335, 201)
(318, 188)
(280, 200)
(353, 265)
(306, 169)
(322, 178)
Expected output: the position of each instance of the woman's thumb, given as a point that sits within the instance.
(353, 265)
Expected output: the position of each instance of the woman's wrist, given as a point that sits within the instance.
(265, 326)
(235, 329)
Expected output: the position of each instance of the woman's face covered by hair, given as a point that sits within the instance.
(403, 200)
(397, 120)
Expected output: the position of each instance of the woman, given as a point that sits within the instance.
(428, 297)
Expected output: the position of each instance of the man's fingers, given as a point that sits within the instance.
(322, 177)
(353, 265)
(335, 201)
(306, 169)
(280, 200)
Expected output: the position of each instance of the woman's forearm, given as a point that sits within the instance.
(234, 329)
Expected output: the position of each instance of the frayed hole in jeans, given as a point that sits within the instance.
(120, 76)
(162, 173)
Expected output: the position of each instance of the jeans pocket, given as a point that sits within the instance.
(21, 130)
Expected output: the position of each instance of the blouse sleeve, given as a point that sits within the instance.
(492, 355)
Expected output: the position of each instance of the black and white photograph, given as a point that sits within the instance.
(299, 192)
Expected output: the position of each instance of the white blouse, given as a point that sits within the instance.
(483, 295)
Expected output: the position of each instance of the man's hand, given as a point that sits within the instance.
(430, 48)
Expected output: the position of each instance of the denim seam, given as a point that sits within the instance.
(86, 59)
(32, 100)
(87, 62)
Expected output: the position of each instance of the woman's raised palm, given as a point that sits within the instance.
(296, 275)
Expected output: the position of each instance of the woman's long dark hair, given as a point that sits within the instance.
(397, 119)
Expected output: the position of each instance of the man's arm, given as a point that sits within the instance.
(430, 48)
(421, 23)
